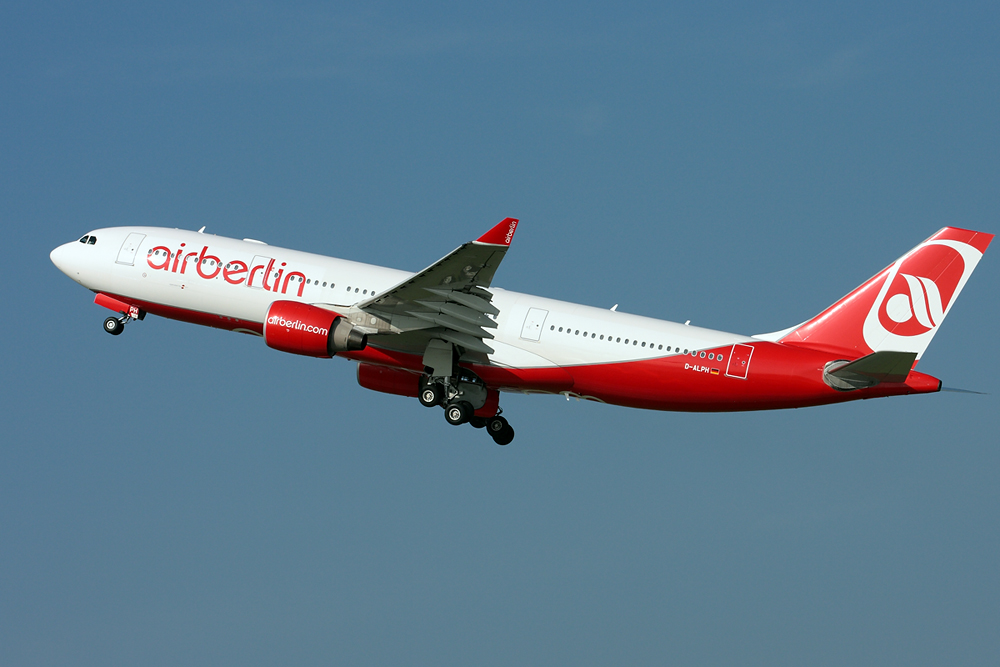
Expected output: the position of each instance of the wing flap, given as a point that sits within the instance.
(460, 312)
(471, 300)
(454, 324)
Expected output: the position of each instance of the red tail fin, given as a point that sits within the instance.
(901, 308)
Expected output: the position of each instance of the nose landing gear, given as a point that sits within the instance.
(116, 325)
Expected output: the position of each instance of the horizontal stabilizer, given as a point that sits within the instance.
(868, 371)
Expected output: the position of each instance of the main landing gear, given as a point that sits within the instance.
(456, 396)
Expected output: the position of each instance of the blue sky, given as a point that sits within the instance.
(183, 495)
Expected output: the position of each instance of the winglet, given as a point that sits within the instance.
(501, 234)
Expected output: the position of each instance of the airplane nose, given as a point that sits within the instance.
(60, 257)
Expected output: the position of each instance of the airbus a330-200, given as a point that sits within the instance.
(447, 337)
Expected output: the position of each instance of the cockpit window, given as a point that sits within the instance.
(92, 241)
(85, 239)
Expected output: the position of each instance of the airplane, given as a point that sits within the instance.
(447, 337)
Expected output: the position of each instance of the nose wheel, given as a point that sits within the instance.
(114, 325)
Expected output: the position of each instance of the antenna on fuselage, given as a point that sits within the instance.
(614, 308)
(202, 230)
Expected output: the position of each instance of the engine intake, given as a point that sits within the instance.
(299, 328)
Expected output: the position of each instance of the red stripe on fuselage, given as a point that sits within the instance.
(195, 316)
(779, 376)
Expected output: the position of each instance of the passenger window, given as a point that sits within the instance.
(720, 357)
(560, 329)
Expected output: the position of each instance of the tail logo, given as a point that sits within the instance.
(918, 291)
(923, 303)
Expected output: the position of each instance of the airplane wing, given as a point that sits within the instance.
(449, 298)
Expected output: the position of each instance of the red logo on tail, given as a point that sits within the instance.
(914, 303)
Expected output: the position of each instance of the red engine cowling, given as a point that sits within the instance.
(299, 328)
(388, 380)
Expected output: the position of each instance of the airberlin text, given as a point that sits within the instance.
(510, 232)
(298, 325)
(234, 272)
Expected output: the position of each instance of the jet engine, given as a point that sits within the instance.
(299, 328)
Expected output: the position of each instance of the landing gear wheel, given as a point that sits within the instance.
(477, 422)
(505, 436)
(458, 412)
(431, 395)
(496, 424)
(114, 326)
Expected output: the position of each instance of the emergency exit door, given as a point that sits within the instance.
(532, 329)
(739, 361)
(127, 254)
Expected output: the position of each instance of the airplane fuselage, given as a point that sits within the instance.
(541, 345)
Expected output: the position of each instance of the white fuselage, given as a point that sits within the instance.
(565, 334)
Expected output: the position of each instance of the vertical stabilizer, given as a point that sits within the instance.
(901, 308)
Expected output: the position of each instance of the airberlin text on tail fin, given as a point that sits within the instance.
(901, 308)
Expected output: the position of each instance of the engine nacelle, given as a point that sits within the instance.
(388, 380)
(299, 328)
